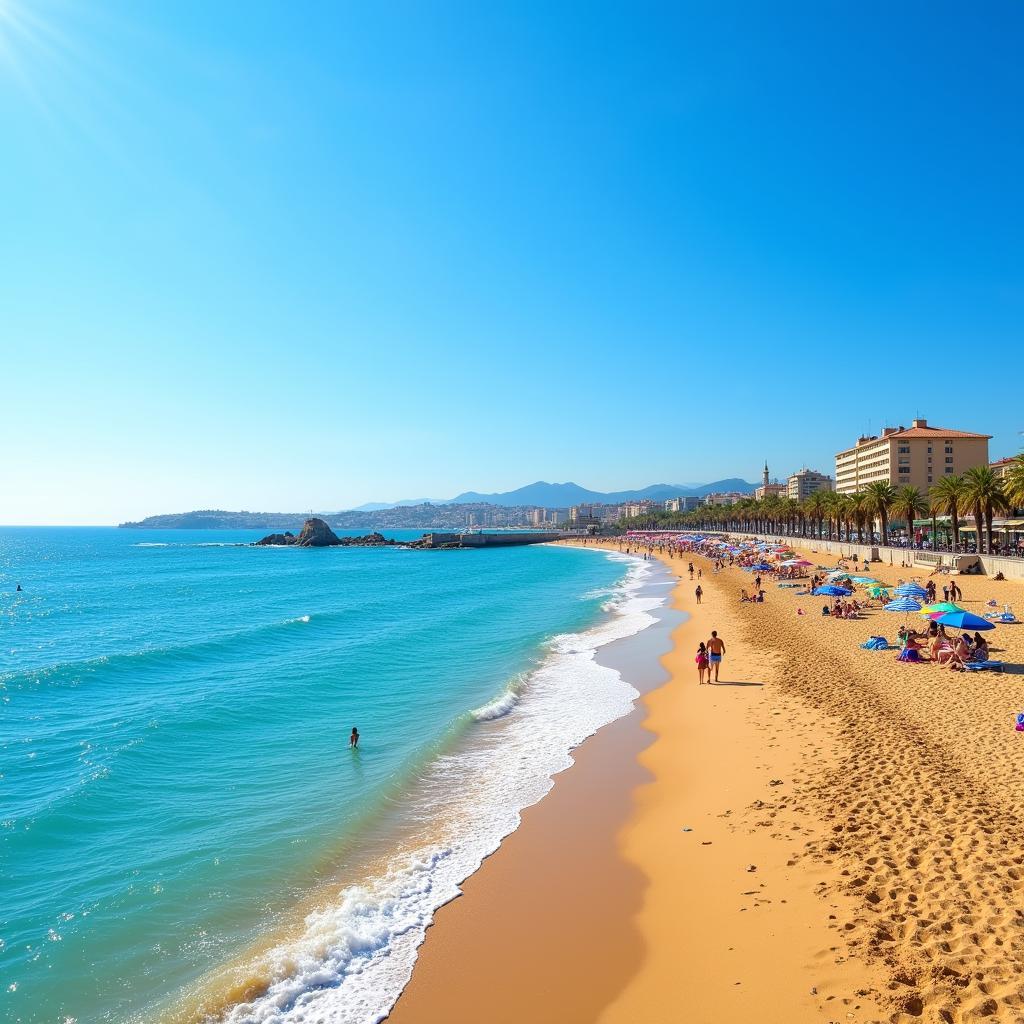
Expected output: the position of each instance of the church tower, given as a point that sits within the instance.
(764, 479)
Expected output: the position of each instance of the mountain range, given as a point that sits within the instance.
(548, 495)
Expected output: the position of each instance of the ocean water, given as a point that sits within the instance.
(185, 834)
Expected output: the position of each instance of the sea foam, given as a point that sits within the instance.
(355, 956)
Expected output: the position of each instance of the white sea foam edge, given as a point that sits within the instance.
(356, 956)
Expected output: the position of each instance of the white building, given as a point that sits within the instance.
(806, 482)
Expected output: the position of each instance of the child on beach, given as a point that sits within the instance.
(702, 664)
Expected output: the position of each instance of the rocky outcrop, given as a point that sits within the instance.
(276, 540)
(317, 534)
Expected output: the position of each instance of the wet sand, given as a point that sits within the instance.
(529, 939)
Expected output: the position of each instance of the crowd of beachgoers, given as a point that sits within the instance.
(945, 634)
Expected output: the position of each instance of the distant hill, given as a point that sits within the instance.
(563, 495)
(453, 514)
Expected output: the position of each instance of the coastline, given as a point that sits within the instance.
(563, 853)
(854, 853)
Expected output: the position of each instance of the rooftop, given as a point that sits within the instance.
(918, 428)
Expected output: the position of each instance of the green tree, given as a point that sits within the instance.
(858, 511)
(909, 503)
(949, 498)
(1013, 482)
(985, 496)
(880, 496)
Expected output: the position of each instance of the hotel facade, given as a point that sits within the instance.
(806, 482)
(917, 456)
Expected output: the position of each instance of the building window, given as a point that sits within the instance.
(904, 449)
(949, 449)
(929, 449)
(949, 458)
(929, 478)
(949, 469)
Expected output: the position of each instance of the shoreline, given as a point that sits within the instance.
(486, 929)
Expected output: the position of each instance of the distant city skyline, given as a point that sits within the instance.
(260, 261)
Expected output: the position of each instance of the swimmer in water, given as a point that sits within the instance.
(353, 740)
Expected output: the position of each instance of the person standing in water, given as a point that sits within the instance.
(353, 740)
(716, 649)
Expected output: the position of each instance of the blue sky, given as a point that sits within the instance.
(278, 256)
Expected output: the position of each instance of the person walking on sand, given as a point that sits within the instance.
(702, 664)
(691, 570)
(699, 592)
(716, 650)
(353, 740)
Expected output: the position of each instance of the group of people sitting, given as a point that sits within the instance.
(952, 652)
(790, 572)
(843, 608)
(757, 596)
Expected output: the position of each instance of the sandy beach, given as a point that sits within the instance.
(830, 835)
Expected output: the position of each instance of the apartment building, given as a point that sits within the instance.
(806, 482)
(917, 455)
(681, 504)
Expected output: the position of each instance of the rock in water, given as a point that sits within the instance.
(315, 534)
(277, 539)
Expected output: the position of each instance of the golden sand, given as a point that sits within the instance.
(834, 836)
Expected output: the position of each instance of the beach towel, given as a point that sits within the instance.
(877, 643)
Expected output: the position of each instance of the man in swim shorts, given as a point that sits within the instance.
(716, 649)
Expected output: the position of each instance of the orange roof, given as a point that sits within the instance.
(935, 432)
(1004, 462)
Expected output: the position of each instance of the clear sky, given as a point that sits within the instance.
(282, 256)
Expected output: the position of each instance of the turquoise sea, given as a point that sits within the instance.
(184, 832)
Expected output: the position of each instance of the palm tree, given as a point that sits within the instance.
(879, 498)
(842, 510)
(986, 497)
(815, 508)
(948, 498)
(1013, 482)
(858, 510)
(908, 504)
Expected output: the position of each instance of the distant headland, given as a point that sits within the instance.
(508, 508)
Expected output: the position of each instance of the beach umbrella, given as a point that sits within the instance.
(839, 575)
(829, 591)
(761, 566)
(964, 620)
(802, 561)
(790, 561)
(941, 608)
(864, 579)
(911, 590)
(903, 604)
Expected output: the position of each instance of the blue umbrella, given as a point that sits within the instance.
(904, 604)
(830, 591)
(911, 590)
(964, 620)
(761, 567)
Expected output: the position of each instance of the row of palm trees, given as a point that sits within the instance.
(979, 493)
